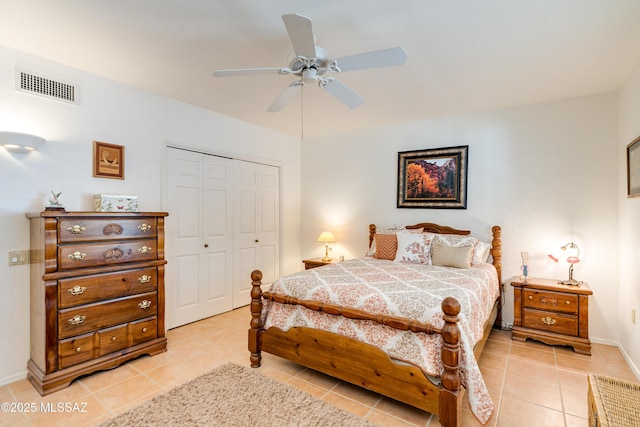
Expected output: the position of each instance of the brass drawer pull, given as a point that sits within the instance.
(76, 320)
(531, 297)
(548, 320)
(76, 290)
(78, 349)
(76, 256)
(76, 229)
(113, 339)
(144, 330)
(567, 302)
(145, 278)
(144, 304)
(144, 227)
(145, 250)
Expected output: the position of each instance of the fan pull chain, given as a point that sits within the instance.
(302, 114)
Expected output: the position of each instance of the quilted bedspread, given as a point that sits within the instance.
(413, 291)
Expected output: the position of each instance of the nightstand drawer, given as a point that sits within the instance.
(549, 321)
(547, 300)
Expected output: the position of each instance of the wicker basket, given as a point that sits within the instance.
(613, 402)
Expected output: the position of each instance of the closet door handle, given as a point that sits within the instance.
(257, 240)
(206, 245)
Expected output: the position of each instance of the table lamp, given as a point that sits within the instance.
(326, 237)
(572, 253)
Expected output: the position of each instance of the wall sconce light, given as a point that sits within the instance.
(20, 143)
(326, 237)
(572, 253)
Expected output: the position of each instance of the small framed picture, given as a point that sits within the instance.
(633, 168)
(108, 160)
(433, 178)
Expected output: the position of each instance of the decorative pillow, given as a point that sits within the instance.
(481, 253)
(391, 230)
(451, 256)
(385, 246)
(413, 247)
(455, 240)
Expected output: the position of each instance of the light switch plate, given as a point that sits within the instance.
(18, 257)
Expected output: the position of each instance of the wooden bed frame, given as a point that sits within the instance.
(335, 355)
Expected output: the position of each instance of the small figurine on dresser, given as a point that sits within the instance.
(54, 202)
(525, 265)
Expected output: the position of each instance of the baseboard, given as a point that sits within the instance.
(632, 365)
(13, 378)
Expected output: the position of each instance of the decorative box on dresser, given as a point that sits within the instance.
(551, 312)
(97, 292)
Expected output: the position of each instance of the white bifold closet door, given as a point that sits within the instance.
(224, 222)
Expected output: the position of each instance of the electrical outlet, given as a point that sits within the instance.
(18, 257)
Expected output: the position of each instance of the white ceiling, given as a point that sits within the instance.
(463, 55)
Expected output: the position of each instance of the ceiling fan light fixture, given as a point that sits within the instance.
(310, 75)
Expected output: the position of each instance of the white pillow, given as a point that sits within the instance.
(481, 253)
(414, 247)
(451, 256)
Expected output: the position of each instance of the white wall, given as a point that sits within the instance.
(629, 262)
(114, 113)
(545, 173)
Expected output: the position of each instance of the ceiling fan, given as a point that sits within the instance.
(311, 64)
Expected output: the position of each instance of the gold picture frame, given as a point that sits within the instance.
(108, 160)
(433, 178)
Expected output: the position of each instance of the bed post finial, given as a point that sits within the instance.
(450, 408)
(256, 321)
(496, 251)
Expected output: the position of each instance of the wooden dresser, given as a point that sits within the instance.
(553, 313)
(97, 292)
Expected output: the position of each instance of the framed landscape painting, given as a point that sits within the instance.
(433, 178)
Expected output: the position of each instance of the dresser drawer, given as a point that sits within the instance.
(75, 350)
(86, 318)
(550, 321)
(87, 229)
(112, 339)
(97, 287)
(553, 301)
(96, 254)
(144, 330)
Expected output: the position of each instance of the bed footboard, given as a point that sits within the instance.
(333, 354)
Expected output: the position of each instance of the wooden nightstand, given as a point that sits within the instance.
(552, 313)
(317, 262)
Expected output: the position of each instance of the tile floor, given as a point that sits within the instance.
(531, 384)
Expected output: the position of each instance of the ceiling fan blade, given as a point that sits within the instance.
(248, 72)
(373, 59)
(342, 93)
(286, 95)
(301, 34)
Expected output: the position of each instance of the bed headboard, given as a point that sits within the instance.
(429, 227)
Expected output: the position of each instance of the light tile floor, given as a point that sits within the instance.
(531, 384)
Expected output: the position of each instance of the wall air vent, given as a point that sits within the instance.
(38, 85)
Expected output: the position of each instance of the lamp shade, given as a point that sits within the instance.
(21, 143)
(326, 237)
